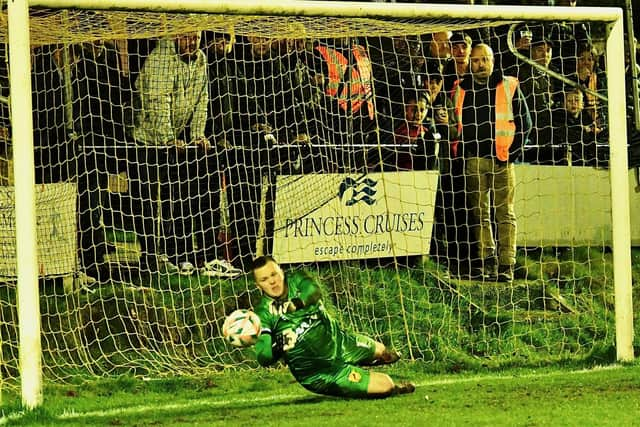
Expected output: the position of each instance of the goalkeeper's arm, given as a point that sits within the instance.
(267, 351)
(309, 292)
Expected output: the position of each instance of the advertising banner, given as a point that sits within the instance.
(56, 229)
(329, 217)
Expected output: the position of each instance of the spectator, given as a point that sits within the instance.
(591, 77)
(575, 132)
(441, 111)
(451, 237)
(459, 67)
(411, 63)
(223, 108)
(414, 144)
(307, 149)
(438, 52)
(224, 120)
(55, 158)
(343, 70)
(494, 124)
(170, 135)
(440, 47)
(567, 36)
(51, 127)
(522, 36)
(102, 112)
(269, 113)
(296, 155)
(398, 64)
(266, 86)
(538, 89)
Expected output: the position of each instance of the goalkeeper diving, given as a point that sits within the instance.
(323, 357)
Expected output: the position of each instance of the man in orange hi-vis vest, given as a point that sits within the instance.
(493, 123)
(344, 73)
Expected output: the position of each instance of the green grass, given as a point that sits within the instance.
(559, 319)
(545, 397)
(162, 325)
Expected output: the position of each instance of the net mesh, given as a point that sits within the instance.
(76, 26)
(183, 167)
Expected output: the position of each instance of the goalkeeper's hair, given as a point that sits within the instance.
(261, 261)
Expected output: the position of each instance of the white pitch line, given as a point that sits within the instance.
(170, 406)
(513, 377)
(283, 397)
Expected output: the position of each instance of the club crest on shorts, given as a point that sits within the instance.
(355, 377)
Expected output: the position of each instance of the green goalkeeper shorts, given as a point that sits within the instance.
(337, 374)
(342, 380)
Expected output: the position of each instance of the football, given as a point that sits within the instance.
(241, 328)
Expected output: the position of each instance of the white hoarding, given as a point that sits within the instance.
(56, 229)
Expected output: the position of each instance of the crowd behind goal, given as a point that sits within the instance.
(197, 120)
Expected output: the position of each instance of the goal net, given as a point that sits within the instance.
(364, 149)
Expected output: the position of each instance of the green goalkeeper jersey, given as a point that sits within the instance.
(312, 340)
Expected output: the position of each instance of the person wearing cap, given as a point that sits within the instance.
(538, 89)
(459, 67)
(449, 234)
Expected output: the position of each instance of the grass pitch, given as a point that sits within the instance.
(547, 397)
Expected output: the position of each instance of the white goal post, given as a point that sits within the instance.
(19, 48)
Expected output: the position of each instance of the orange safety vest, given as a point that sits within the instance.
(505, 127)
(359, 89)
(592, 84)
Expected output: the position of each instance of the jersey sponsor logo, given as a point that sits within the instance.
(304, 326)
(278, 308)
(355, 377)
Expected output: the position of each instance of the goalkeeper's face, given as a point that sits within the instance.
(270, 279)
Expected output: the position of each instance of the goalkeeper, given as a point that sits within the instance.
(322, 357)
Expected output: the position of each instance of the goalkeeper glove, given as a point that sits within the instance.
(284, 341)
(278, 344)
(297, 303)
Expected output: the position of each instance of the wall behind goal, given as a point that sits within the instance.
(555, 206)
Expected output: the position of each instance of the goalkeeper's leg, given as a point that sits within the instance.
(346, 380)
(381, 385)
(384, 355)
(361, 350)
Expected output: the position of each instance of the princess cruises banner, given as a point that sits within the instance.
(329, 217)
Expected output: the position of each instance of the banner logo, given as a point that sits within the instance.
(352, 191)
